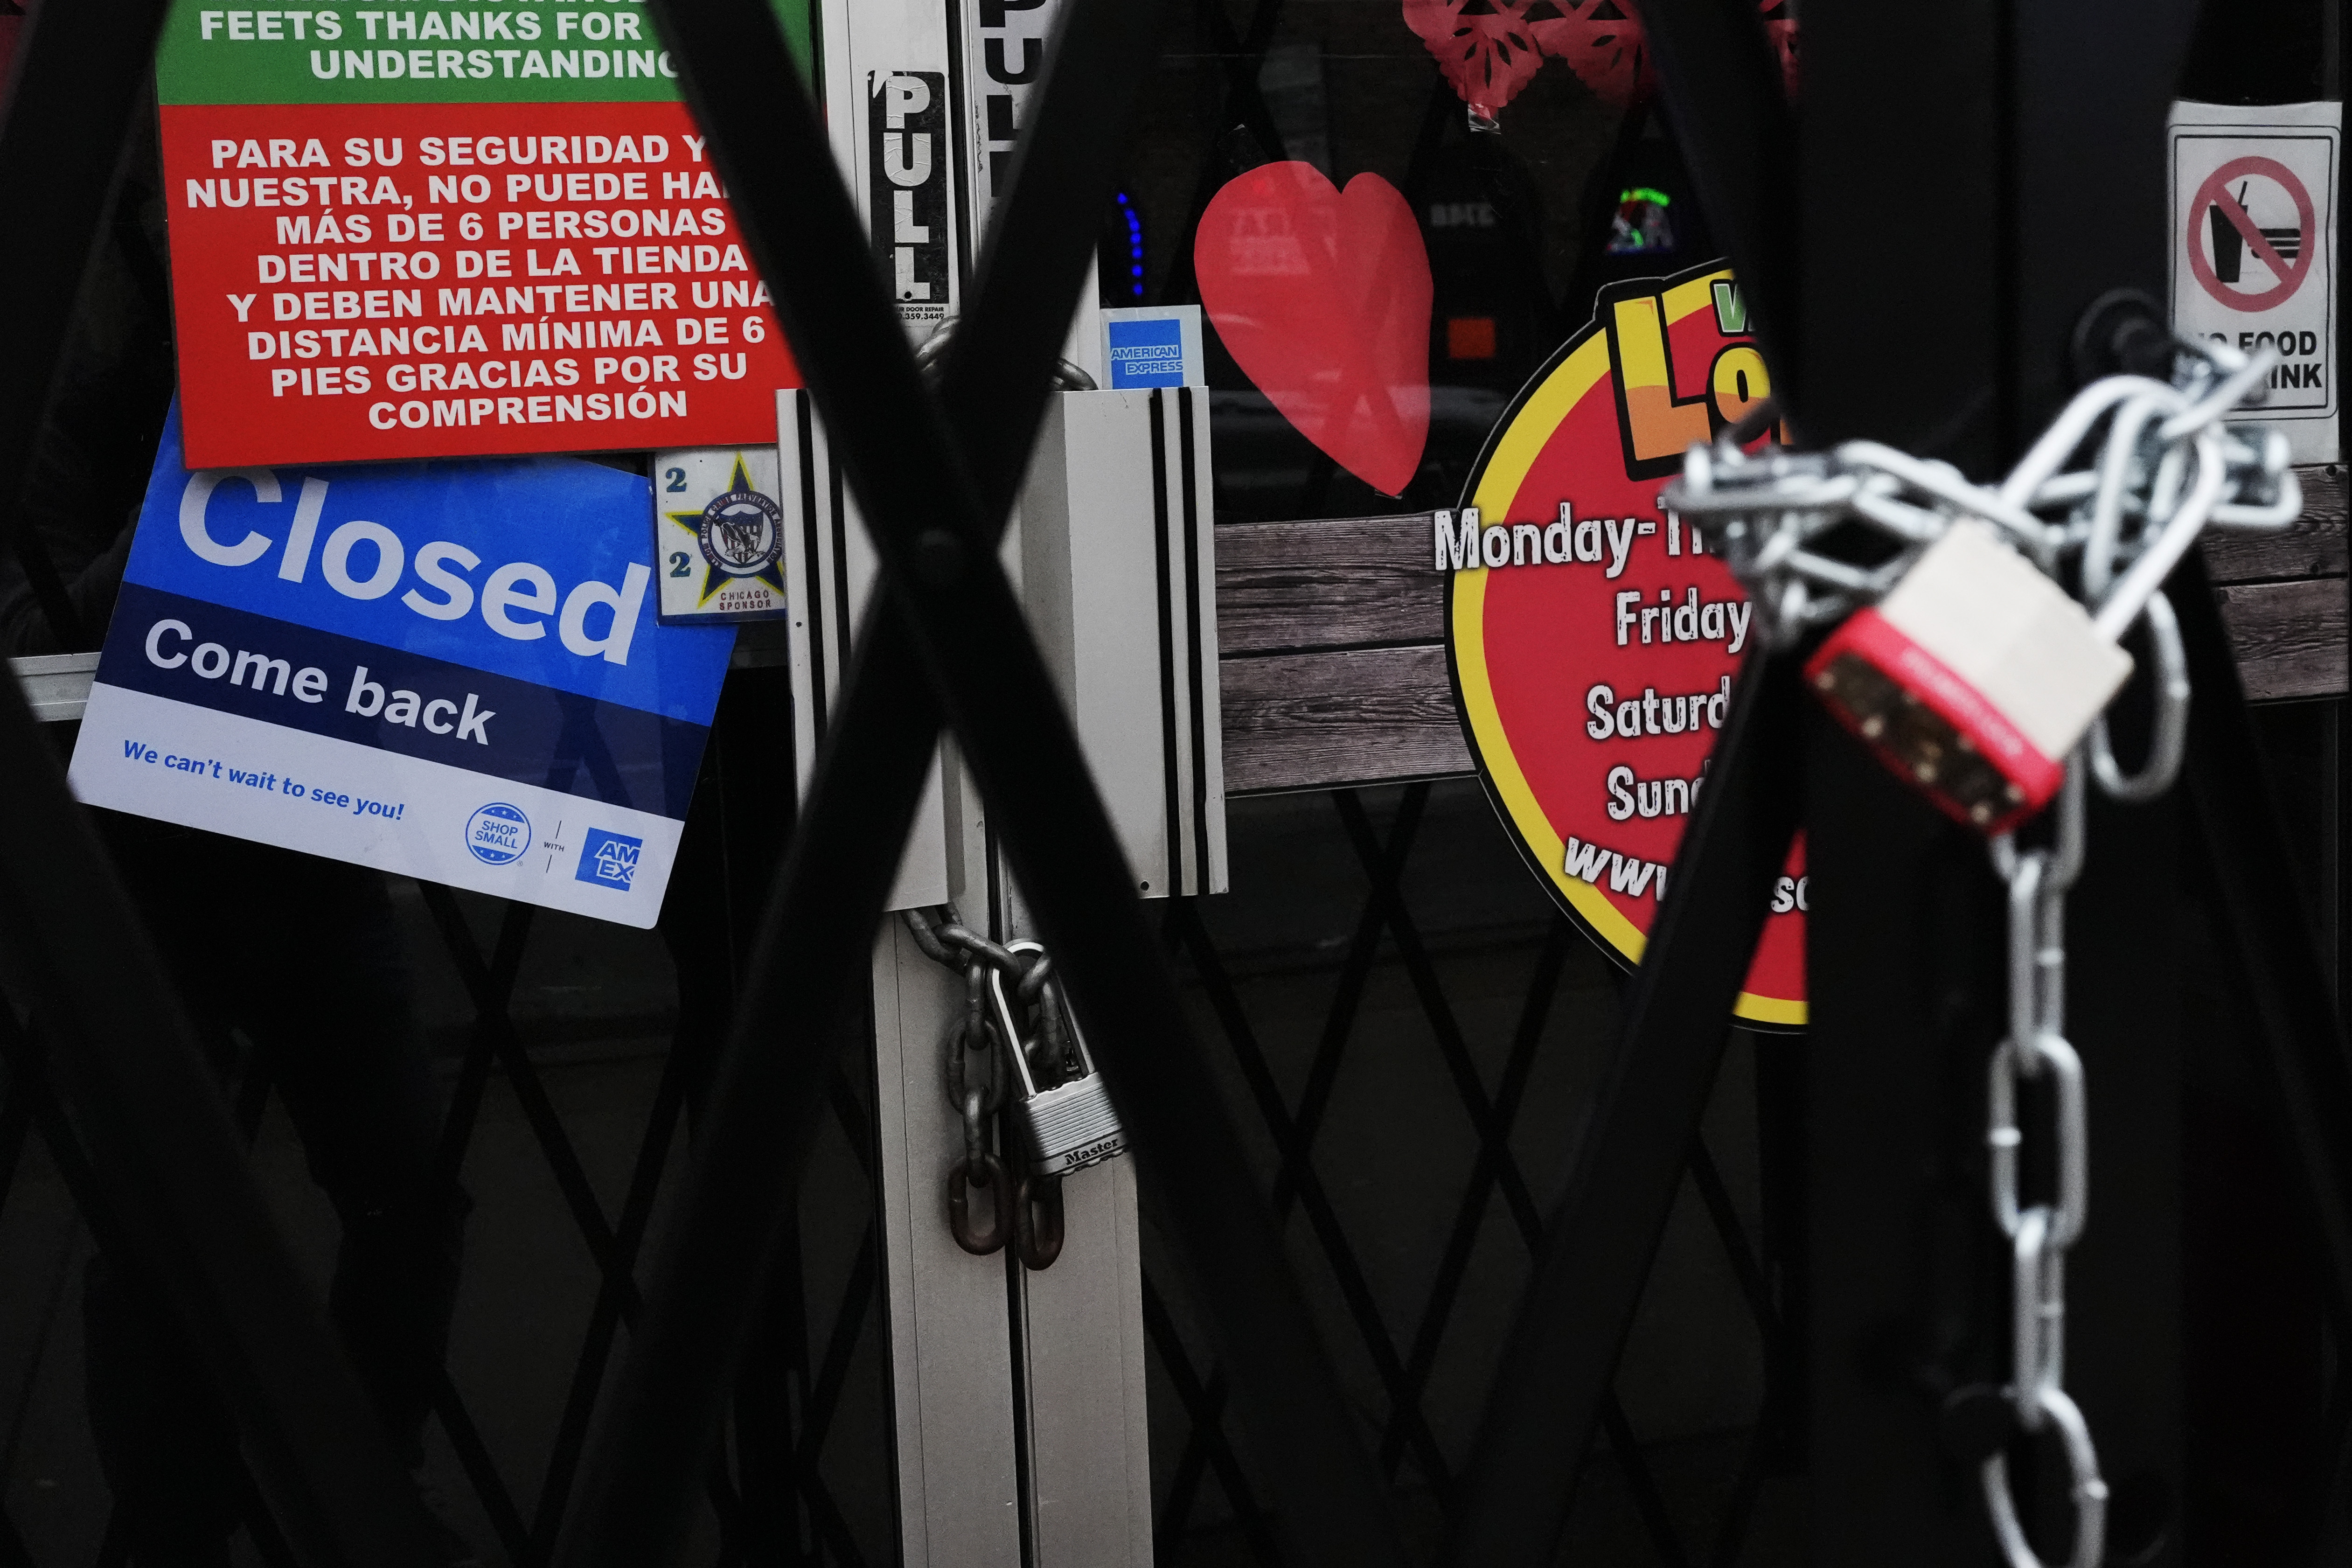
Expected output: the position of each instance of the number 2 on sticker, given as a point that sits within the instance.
(678, 563)
(676, 478)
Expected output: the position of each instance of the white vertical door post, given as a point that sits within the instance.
(1019, 1398)
(949, 1326)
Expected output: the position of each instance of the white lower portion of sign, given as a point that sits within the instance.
(154, 757)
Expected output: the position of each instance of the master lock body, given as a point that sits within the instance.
(1073, 1125)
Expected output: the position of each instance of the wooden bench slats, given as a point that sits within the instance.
(1342, 582)
(2290, 637)
(1331, 638)
(1316, 720)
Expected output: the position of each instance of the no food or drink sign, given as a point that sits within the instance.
(418, 228)
(2253, 254)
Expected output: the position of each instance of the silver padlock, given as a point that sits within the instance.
(1072, 1125)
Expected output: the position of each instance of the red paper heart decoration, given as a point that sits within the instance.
(1601, 42)
(1322, 297)
(1483, 47)
(1781, 27)
(1489, 49)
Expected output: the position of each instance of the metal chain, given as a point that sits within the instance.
(2040, 1233)
(2106, 502)
(2120, 511)
(1026, 1213)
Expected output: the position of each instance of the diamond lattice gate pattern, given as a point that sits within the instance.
(1415, 1039)
(570, 1060)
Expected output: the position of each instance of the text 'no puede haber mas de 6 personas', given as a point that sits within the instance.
(368, 290)
(410, 229)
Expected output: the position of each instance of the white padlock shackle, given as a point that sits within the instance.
(1051, 997)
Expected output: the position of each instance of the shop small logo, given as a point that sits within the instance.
(742, 534)
(498, 834)
(609, 860)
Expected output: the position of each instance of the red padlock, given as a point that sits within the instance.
(1973, 678)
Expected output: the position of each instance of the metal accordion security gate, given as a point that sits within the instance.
(1303, 1360)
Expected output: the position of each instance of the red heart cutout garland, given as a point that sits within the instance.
(1486, 56)
(1489, 49)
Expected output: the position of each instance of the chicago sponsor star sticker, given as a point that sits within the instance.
(741, 536)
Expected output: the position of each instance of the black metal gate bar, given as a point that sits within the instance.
(824, 1398)
(1242, 108)
(1494, 1153)
(494, 1041)
(2272, 957)
(1896, 1328)
(1722, 89)
(1721, 86)
(1910, 1273)
(1497, 1168)
(1554, 1379)
(1890, 92)
(613, 1291)
(1903, 911)
(707, 1280)
(2278, 981)
(489, 1003)
(562, 1160)
(1295, 1180)
(800, 981)
(33, 1104)
(168, 1157)
(1384, 913)
(1207, 1451)
(74, 96)
(163, 1145)
(15, 1125)
(975, 647)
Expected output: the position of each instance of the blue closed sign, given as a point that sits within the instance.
(450, 669)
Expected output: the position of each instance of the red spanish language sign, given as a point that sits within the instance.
(1594, 640)
(419, 252)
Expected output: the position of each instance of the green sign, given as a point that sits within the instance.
(427, 51)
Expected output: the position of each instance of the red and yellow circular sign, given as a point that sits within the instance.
(1593, 641)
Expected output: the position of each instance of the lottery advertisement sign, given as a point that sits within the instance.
(417, 229)
(448, 670)
(1593, 641)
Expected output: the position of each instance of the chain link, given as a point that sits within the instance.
(2040, 1233)
(2111, 497)
(2120, 510)
(1027, 1213)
